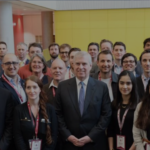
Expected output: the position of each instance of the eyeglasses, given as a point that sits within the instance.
(14, 63)
(64, 53)
(130, 61)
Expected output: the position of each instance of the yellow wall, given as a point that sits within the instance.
(79, 28)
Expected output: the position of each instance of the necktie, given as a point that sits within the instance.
(21, 64)
(81, 98)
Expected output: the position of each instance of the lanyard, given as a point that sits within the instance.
(121, 123)
(99, 77)
(37, 120)
(53, 90)
(20, 97)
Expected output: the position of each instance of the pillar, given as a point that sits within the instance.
(6, 25)
(47, 28)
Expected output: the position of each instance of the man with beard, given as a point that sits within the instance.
(3, 51)
(105, 63)
(54, 52)
(70, 71)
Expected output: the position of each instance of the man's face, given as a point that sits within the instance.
(106, 46)
(3, 50)
(129, 64)
(54, 51)
(147, 46)
(58, 70)
(93, 51)
(71, 58)
(64, 54)
(34, 50)
(82, 67)
(10, 69)
(145, 62)
(22, 51)
(118, 52)
(105, 63)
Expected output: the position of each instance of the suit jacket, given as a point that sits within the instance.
(23, 129)
(114, 83)
(139, 69)
(49, 63)
(94, 69)
(140, 87)
(95, 118)
(6, 109)
(6, 86)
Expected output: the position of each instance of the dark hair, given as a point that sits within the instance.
(104, 41)
(2, 42)
(74, 50)
(93, 43)
(121, 44)
(105, 52)
(53, 44)
(128, 55)
(144, 52)
(145, 41)
(43, 61)
(134, 96)
(143, 119)
(35, 45)
(64, 46)
(42, 103)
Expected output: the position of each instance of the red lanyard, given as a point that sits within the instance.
(20, 97)
(37, 120)
(99, 77)
(121, 123)
(54, 93)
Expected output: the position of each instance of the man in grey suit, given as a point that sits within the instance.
(54, 52)
(83, 108)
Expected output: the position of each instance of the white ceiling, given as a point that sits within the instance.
(23, 8)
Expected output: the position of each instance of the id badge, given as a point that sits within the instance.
(121, 142)
(36, 144)
(147, 146)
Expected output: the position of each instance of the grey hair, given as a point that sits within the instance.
(82, 54)
(42, 59)
(24, 44)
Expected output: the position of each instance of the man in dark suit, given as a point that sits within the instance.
(105, 63)
(11, 81)
(22, 54)
(54, 52)
(83, 108)
(6, 109)
(142, 80)
(58, 70)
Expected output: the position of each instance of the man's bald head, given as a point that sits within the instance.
(10, 65)
(58, 69)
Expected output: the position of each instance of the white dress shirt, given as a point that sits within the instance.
(52, 84)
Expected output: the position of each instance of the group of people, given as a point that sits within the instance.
(94, 100)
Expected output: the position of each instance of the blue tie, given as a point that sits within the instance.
(81, 98)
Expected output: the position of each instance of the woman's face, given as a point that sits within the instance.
(37, 65)
(125, 85)
(32, 90)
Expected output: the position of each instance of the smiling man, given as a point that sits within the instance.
(105, 63)
(83, 108)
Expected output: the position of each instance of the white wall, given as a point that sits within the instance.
(32, 27)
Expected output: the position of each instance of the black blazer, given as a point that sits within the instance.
(114, 83)
(49, 63)
(140, 87)
(6, 108)
(23, 129)
(6, 86)
(95, 118)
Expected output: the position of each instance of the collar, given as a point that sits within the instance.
(85, 81)
(117, 65)
(12, 80)
(52, 84)
(24, 61)
(145, 78)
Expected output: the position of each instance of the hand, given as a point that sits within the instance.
(84, 140)
(74, 141)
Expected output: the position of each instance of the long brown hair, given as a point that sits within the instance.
(143, 120)
(42, 103)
